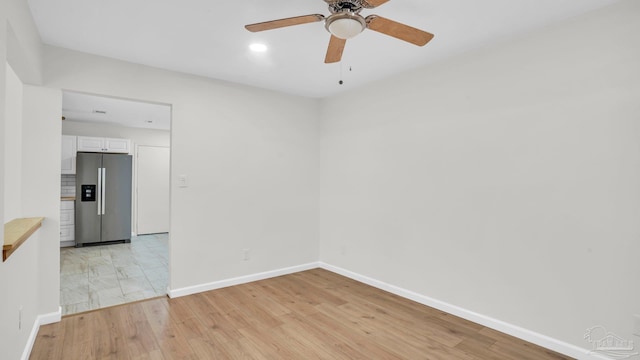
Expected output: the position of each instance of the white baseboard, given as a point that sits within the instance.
(43, 319)
(69, 243)
(174, 293)
(50, 318)
(513, 330)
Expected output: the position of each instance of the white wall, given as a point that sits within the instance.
(3, 94)
(504, 181)
(41, 185)
(29, 278)
(12, 141)
(19, 281)
(22, 44)
(5, 331)
(251, 157)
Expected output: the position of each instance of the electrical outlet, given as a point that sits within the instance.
(343, 250)
(246, 254)
(20, 318)
(636, 325)
(183, 181)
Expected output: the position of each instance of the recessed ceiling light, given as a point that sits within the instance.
(258, 47)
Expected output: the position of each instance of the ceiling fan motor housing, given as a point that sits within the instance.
(345, 20)
(340, 6)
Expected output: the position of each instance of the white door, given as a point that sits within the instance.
(153, 189)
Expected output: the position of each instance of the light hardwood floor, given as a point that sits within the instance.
(314, 314)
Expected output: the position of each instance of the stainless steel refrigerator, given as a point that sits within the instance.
(103, 198)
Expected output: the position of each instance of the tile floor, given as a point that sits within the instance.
(100, 276)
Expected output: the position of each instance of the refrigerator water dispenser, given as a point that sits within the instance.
(88, 193)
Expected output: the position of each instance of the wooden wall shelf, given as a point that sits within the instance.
(16, 232)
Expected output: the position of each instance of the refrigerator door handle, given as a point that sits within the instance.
(104, 188)
(99, 191)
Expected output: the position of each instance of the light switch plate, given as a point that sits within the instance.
(636, 325)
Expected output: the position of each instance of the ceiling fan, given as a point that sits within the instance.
(345, 22)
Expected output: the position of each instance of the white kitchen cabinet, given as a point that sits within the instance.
(117, 145)
(68, 154)
(108, 145)
(67, 223)
(67, 234)
(90, 144)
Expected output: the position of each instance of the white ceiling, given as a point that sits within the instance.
(119, 112)
(207, 37)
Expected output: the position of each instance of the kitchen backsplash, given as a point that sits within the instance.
(68, 185)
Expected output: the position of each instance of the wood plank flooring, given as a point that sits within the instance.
(314, 314)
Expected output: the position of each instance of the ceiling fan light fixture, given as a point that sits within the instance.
(345, 25)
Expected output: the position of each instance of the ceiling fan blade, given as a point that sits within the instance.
(334, 52)
(275, 24)
(374, 3)
(398, 30)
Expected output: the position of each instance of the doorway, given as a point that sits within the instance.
(99, 276)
